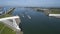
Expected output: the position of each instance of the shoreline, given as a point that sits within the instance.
(54, 15)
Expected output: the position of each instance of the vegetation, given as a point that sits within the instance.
(55, 11)
(5, 30)
(7, 14)
(52, 10)
(39, 10)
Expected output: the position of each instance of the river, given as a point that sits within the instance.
(33, 22)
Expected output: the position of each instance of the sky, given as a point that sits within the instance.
(31, 3)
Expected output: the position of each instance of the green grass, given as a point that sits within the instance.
(6, 15)
(55, 11)
(6, 29)
(3, 28)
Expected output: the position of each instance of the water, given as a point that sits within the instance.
(37, 22)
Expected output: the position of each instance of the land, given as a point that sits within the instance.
(8, 13)
(5, 30)
(55, 11)
(48, 10)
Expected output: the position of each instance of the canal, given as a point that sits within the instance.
(33, 22)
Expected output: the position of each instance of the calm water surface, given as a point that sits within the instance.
(33, 22)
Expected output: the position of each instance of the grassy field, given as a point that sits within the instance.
(55, 11)
(51, 11)
(6, 15)
(5, 30)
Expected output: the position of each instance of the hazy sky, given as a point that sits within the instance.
(37, 3)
